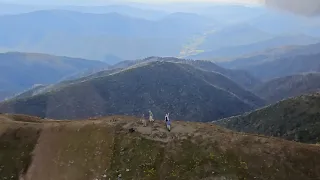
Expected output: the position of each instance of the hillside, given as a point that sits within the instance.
(293, 119)
(243, 78)
(30, 92)
(33, 149)
(289, 86)
(20, 71)
(187, 92)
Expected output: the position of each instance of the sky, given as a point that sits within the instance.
(99, 2)
(303, 7)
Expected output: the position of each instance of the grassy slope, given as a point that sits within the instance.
(188, 93)
(293, 119)
(104, 149)
(290, 86)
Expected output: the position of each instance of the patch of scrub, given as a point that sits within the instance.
(136, 158)
(16, 146)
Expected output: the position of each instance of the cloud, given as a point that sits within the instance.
(304, 7)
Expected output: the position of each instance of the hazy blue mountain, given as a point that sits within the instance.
(271, 55)
(235, 35)
(112, 59)
(6, 8)
(121, 9)
(236, 51)
(93, 36)
(232, 14)
(20, 71)
(281, 67)
(289, 86)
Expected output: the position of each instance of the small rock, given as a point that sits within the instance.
(104, 176)
(127, 170)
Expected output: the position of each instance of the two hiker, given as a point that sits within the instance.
(151, 119)
(144, 121)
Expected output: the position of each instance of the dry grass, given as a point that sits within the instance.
(104, 148)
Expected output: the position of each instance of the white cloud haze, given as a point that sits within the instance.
(305, 7)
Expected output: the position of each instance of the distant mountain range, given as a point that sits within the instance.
(9, 9)
(234, 35)
(20, 71)
(249, 49)
(279, 62)
(141, 32)
(270, 54)
(295, 119)
(63, 32)
(289, 86)
(187, 92)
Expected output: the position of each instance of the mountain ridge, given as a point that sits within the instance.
(289, 86)
(20, 71)
(161, 86)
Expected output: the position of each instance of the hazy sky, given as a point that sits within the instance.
(305, 7)
(98, 2)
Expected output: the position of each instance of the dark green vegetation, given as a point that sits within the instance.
(20, 71)
(187, 92)
(241, 77)
(290, 86)
(295, 119)
(104, 148)
(16, 146)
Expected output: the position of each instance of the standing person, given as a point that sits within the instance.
(168, 123)
(151, 116)
(144, 121)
